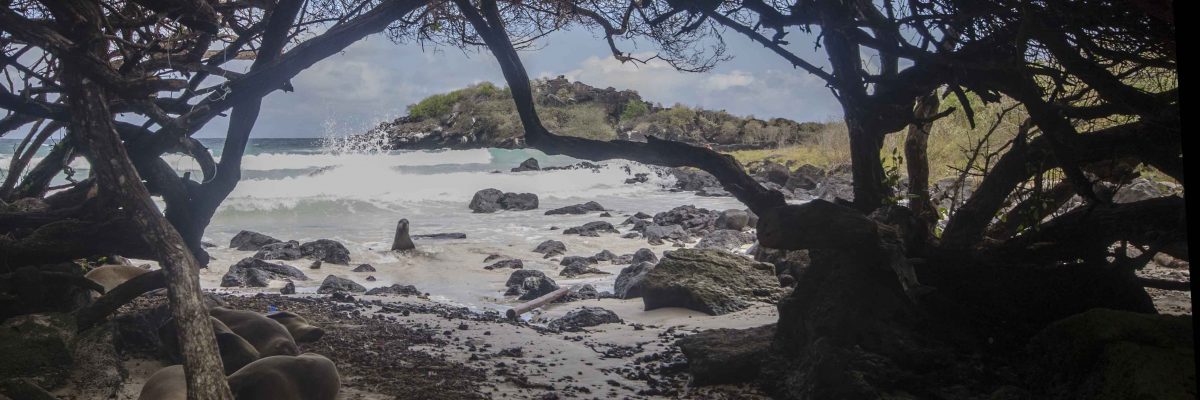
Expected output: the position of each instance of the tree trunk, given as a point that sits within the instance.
(916, 160)
(869, 187)
(92, 129)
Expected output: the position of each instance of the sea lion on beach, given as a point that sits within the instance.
(112, 275)
(270, 337)
(235, 351)
(168, 383)
(299, 327)
(305, 377)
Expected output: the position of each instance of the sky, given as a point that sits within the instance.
(375, 80)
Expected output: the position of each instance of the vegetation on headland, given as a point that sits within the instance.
(483, 115)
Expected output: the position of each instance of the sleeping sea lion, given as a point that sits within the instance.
(235, 351)
(111, 276)
(299, 327)
(267, 335)
(167, 383)
(305, 377)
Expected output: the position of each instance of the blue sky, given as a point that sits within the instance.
(375, 79)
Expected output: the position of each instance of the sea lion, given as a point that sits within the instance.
(110, 276)
(299, 327)
(235, 351)
(168, 383)
(270, 337)
(305, 377)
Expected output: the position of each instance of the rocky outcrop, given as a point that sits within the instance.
(37, 347)
(658, 234)
(691, 218)
(250, 241)
(364, 268)
(253, 272)
(396, 289)
(725, 239)
(726, 356)
(492, 200)
(575, 266)
(333, 284)
(593, 229)
(710, 281)
(551, 248)
(629, 281)
(584, 317)
(644, 255)
(506, 264)
(323, 250)
(530, 164)
(327, 251)
(733, 219)
(528, 284)
(577, 209)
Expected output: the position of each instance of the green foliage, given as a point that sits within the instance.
(435, 106)
(633, 110)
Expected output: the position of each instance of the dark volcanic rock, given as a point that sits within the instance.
(644, 255)
(248, 241)
(774, 172)
(723, 356)
(519, 201)
(603, 255)
(486, 201)
(289, 250)
(690, 217)
(691, 180)
(289, 288)
(253, 272)
(364, 268)
(725, 239)
(575, 266)
(528, 165)
(656, 234)
(338, 284)
(397, 289)
(710, 281)
(584, 317)
(551, 248)
(732, 219)
(326, 250)
(790, 262)
(594, 228)
(583, 208)
(629, 281)
(807, 177)
(502, 264)
(529, 284)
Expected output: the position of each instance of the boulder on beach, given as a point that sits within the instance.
(529, 284)
(807, 177)
(486, 201)
(732, 219)
(289, 250)
(505, 264)
(519, 201)
(584, 317)
(338, 284)
(603, 255)
(576, 209)
(327, 251)
(364, 268)
(629, 281)
(725, 356)
(657, 234)
(250, 241)
(725, 239)
(492, 200)
(691, 218)
(774, 172)
(644, 255)
(712, 281)
(253, 272)
(592, 229)
(396, 289)
(528, 165)
(690, 179)
(575, 266)
(551, 248)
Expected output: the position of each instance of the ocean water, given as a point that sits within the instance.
(354, 192)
